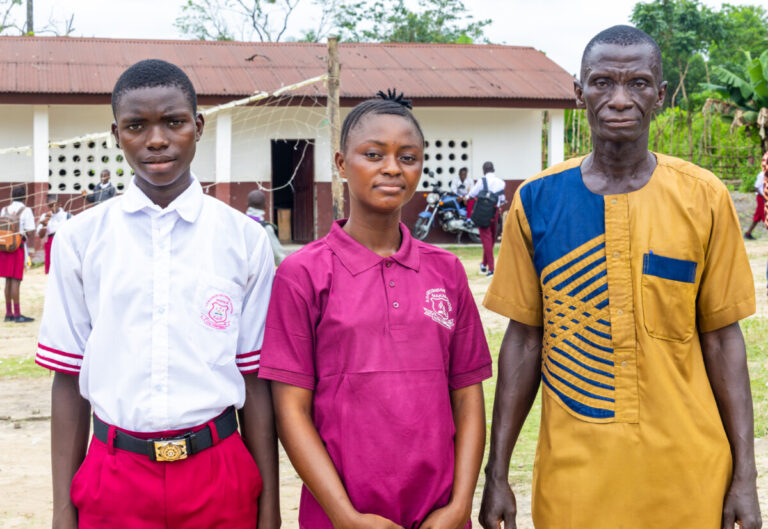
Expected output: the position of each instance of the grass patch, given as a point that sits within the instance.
(755, 333)
(521, 464)
(21, 367)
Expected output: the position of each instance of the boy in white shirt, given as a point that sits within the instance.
(154, 319)
(48, 224)
(12, 263)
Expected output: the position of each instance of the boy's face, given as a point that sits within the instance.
(53, 205)
(157, 131)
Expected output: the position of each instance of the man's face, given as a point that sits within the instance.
(53, 206)
(620, 88)
(463, 174)
(104, 177)
(157, 130)
(764, 162)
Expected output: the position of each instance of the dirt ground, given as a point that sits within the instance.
(25, 485)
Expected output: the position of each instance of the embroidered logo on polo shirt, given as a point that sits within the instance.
(217, 312)
(439, 307)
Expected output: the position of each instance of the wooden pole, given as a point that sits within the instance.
(334, 120)
(30, 30)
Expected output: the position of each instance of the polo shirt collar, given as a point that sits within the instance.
(357, 258)
(188, 205)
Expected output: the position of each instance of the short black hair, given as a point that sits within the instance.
(150, 73)
(19, 193)
(488, 167)
(464, 169)
(623, 35)
(375, 107)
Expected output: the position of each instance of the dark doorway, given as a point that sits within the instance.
(293, 178)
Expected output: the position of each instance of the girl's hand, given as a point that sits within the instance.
(446, 517)
(371, 521)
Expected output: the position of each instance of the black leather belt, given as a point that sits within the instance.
(172, 448)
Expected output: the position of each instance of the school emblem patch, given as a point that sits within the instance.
(439, 307)
(217, 312)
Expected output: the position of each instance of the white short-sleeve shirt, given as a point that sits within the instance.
(495, 185)
(159, 311)
(56, 220)
(26, 219)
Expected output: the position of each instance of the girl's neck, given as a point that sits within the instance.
(379, 233)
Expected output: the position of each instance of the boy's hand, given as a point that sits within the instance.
(448, 517)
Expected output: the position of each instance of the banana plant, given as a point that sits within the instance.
(748, 93)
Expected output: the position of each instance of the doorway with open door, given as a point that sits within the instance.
(293, 179)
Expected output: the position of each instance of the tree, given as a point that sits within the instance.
(7, 21)
(749, 96)
(263, 20)
(745, 29)
(683, 29)
(9, 25)
(433, 21)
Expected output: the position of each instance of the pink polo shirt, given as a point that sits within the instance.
(381, 342)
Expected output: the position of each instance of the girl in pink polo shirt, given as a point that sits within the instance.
(376, 350)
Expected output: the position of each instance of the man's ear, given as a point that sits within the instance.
(661, 95)
(578, 91)
(116, 134)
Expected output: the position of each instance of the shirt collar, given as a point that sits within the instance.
(357, 258)
(187, 205)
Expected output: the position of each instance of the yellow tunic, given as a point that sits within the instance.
(623, 284)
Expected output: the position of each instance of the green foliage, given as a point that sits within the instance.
(683, 30)
(21, 367)
(433, 21)
(746, 30)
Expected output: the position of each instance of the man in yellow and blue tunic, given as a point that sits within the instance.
(624, 276)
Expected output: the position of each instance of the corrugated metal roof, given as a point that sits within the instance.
(77, 66)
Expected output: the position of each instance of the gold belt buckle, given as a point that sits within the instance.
(170, 450)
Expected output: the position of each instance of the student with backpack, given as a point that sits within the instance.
(488, 193)
(17, 224)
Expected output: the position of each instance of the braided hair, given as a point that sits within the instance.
(390, 103)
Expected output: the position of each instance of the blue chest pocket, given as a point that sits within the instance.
(669, 268)
(669, 297)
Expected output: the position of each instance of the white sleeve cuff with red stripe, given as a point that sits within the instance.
(60, 361)
(248, 362)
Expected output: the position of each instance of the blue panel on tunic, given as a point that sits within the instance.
(562, 213)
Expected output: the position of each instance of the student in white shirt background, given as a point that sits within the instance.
(12, 263)
(461, 185)
(488, 234)
(48, 224)
(154, 319)
(759, 216)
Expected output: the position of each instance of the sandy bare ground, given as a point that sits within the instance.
(25, 488)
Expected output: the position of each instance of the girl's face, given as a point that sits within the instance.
(382, 162)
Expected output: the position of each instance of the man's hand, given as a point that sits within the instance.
(448, 517)
(742, 506)
(66, 518)
(498, 505)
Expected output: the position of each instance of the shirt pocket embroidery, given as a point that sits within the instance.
(669, 297)
(217, 305)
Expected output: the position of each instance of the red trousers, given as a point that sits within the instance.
(488, 238)
(47, 247)
(217, 487)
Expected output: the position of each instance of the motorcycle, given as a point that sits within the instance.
(451, 216)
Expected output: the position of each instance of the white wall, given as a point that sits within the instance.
(510, 138)
(15, 131)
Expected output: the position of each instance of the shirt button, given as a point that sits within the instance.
(161, 310)
(388, 264)
(616, 254)
(619, 312)
(613, 201)
(392, 284)
(624, 364)
(395, 304)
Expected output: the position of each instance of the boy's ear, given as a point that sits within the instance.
(116, 134)
(340, 167)
(199, 126)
